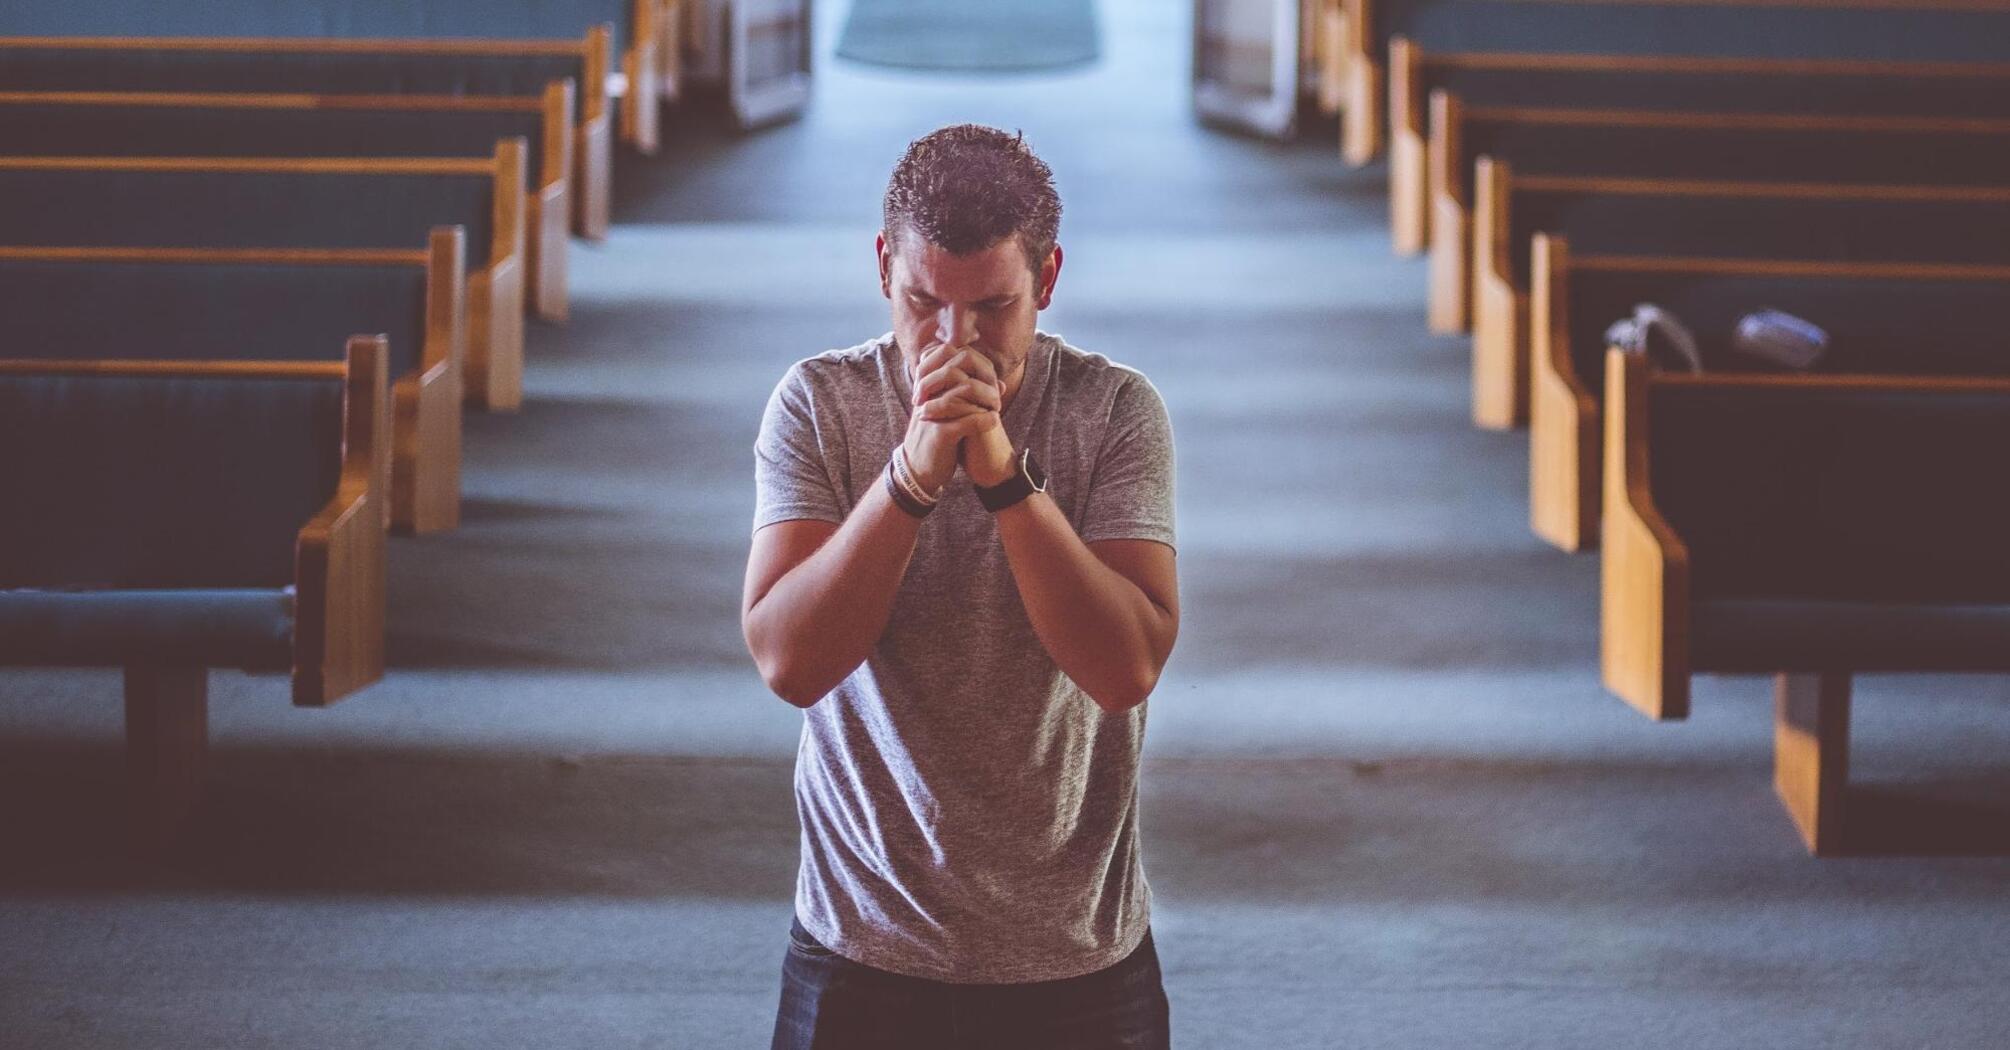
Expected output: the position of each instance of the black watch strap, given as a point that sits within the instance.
(1028, 479)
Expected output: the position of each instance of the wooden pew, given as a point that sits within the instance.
(1808, 527)
(1785, 147)
(308, 66)
(175, 505)
(1905, 318)
(151, 124)
(1695, 217)
(1976, 31)
(1682, 83)
(322, 203)
(165, 304)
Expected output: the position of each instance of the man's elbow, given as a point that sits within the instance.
(1118, 697)
(784, 678)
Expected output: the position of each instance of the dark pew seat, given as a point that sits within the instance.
(1892, 31)
(1815, 87)
(126, 124)
(1670, 145)
(1907, 319)
(203, 305)
(308, 66)
(311, 204)
(1810, 527)
(190, 515)
(1696, 218)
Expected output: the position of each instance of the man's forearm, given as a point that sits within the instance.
(821, 619)
(1102, 630)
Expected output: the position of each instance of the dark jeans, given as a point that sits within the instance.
(832, 1003)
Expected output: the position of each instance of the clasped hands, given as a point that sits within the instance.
(957, 419)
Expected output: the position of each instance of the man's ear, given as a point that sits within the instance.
(885, 265)
(1050, 272)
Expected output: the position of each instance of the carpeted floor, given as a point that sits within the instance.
(1386, 803)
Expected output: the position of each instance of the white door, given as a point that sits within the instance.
(768, 59)
(1246, 64)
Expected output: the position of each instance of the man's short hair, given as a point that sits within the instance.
(966, 186)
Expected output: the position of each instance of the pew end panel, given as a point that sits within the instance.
(1643, 566)
(1563, 453)
(1361, 118)
(1500, 310)
(593, 159)
(339, 573)
(496, 300)
(1450, 230)
(548, 210)
(1811, 713)
(1331, 30)
(670, 49)
(641, 117)
(427, 406)
(1409, 145)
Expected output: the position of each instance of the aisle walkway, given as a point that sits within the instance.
(1386, 803)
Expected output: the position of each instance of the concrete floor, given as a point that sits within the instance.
(1386, 803)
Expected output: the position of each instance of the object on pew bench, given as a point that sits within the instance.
(292, 65)
(203, 304)
(1658, 336)
(1884, 318)
(1689, 217)
(318, 203)
(184, 124)
(1808, 527)
(192, 515)
(1779, 339)
(1782, 148)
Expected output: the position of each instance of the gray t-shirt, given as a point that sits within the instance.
(968, 813)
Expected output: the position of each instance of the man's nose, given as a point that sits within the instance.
(956, 325)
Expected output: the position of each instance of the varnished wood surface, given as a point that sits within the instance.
(1663, 118)
(1643, 638)
(1563, 452)
(1499, 364)
(191, 369)
(1449, 231)
(1615, 186)
(427, 405)
(1534, 61)
(339, 561)
(1897, 271)
(1811, 713)
(1409, 166)
(254, 256)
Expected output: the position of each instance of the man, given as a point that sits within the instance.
(963, 572)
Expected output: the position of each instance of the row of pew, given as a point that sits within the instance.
(250, 286)
(1843, 161)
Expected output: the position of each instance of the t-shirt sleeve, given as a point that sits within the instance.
(792, 481)
(1131, 489)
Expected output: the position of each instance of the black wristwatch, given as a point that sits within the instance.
(1027, 480)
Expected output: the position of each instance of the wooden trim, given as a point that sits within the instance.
(1663, 118)
(1563, 431)
(1895, 382)
(1897, 271)
(1811, 713)
(1450, 228)
(339, 583)
(1500, 325)
(1409, 146)
(273, 100)
(1617, 186)
(426, 404)
(190, 369)
(593, 166)
(1643, 637)
(254, 256)
(670, 50)
(1706, 65)
(167, 749)
(1330, 36)
(549, 208)
(299, 45)
(598, 57)
(306, 165)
